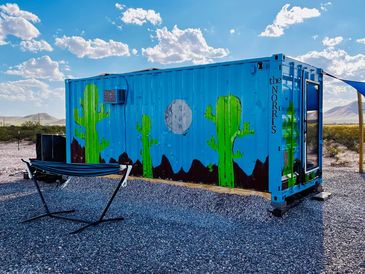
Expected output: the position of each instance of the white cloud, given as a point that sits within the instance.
(40, 68)
(315, 37)
(339, 63)
(35, 46)
(324, 6)
(141, 16)
(232, 31)
(113, 22)
(119, 6)
(134, 51)
(17, 22)
(331, 42)
(287, 17)
(29, 90)
(14, 10)
(361, 40)
(94, 49)
(179, 46)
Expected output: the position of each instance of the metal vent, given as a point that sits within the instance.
(115, 96)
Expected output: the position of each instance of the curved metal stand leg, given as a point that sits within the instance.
(101, 219)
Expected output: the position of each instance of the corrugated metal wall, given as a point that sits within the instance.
(178, 129)
(152, 92)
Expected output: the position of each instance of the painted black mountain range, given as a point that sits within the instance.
(198, 173)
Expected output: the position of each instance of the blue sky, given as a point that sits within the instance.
(43, 42)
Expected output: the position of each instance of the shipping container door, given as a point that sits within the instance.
(311, 125)
(291, 126)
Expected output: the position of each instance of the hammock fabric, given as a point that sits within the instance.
(359, 86)
(78, 170)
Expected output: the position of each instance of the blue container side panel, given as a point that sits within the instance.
(165, 119)
(182, 123)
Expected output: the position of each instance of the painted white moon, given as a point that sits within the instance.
(178, 116)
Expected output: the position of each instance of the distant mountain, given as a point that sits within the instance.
(60, 122)
(347, 114)
(43, 118)
(40, 117)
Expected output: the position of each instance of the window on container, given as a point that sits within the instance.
(312, 132)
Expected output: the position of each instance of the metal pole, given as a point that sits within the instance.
(361, 133)
(18, 138)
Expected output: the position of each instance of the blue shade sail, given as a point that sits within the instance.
(359, 86)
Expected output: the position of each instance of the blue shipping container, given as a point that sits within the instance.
(253, 124)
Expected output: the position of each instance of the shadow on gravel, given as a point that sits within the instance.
(166, 229)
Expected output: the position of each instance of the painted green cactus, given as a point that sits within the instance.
(290, 133)
(310, 176)
(91, 115)
(145, 129)
(228, 122)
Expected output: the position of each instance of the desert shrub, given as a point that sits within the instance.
(28, 131)
(347, 135)
(30, 125)
(332, 149)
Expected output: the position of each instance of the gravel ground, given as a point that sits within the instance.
(175, 229)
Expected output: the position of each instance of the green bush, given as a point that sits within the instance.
(347, 135)
(28, 131)
(332, 149)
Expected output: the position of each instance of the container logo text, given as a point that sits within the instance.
(274, 82)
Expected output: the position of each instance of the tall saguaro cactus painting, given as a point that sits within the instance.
(228, 122)
(290, 132)
(145, 129)
(92, 113)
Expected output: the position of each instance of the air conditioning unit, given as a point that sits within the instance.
(115, 96)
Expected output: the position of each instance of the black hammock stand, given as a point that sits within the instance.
(77, 170)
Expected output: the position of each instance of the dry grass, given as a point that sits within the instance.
(347, 135)
(27, 131)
